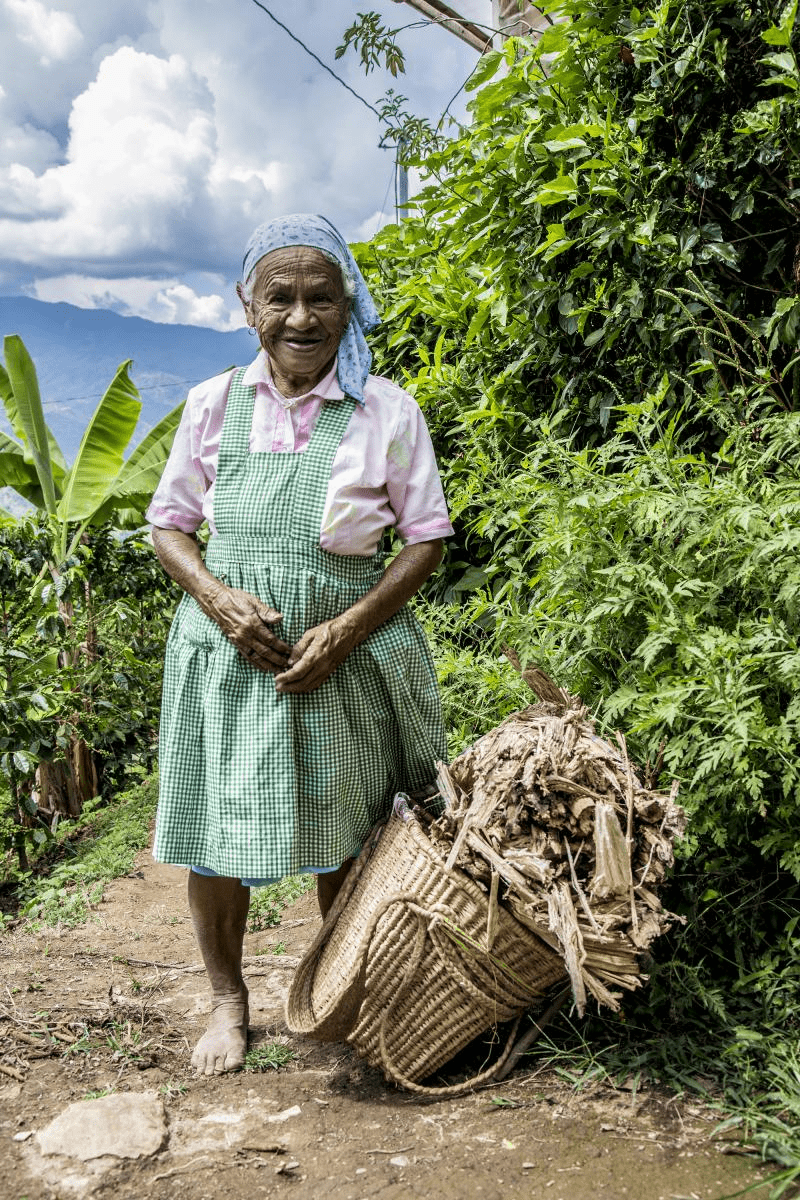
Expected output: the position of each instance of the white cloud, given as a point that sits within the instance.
(27, 148)
(169, 302)
(145, 159)
(141, 147)
(52, 33)
(370, 227)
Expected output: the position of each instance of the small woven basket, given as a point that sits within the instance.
(402, 970)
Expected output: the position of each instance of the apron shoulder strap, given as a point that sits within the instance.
(238, 420)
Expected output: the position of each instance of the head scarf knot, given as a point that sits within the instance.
(310, 229)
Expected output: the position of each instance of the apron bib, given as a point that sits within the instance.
(257, 784)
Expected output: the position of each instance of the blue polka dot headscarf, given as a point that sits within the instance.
(310, 229)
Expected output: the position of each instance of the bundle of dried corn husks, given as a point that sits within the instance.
(555, 824)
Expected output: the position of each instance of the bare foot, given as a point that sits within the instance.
(224, 1044)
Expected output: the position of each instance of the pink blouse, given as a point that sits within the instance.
(384, 472)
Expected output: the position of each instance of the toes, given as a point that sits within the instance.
(233, 1061)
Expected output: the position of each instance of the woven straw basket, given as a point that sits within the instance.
(401, 969)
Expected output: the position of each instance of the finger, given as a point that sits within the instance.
(305, 675)
(299, 649)
(269, 657)
(269, 616)
(263, 642)
(308, 684)
(273, 647)
(299, 666)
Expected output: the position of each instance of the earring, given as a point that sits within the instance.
(251, 330)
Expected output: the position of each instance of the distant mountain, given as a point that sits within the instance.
(77, 351)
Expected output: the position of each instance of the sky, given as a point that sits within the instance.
(140, 144)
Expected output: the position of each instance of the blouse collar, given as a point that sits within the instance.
(260, 371)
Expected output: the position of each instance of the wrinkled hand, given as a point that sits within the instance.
(315, 657)
(246, 621)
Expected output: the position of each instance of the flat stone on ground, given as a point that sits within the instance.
(128, 1125)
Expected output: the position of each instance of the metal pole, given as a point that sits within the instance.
(402, 182)
(446, 16)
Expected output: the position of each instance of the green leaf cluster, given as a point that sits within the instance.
(81, 649)
(597, 304)
(101, 484)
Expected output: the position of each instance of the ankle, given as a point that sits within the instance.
(237, 995)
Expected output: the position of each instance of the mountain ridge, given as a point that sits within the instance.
(76, 352)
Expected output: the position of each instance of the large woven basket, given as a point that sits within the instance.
(401, 968)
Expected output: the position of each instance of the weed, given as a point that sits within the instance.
(125, 1042)
(98, 1095)
(271, 1056)
(82, 1045)
(267, 903)
(75, 885)
(171, 1089)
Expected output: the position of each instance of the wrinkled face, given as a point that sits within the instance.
(299, 312)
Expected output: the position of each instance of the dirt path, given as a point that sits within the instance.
(324, 1122)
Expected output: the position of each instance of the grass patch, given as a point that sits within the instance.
(101, 845)
(267, 903)
(269, 1057)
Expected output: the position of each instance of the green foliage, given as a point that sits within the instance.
(82, 614)
(478, 687)
(577, 242)
(100, 484)
(101, 845)
(269, 1057)
(597, 304)
(80, 664)
(267, 903)
(665, 587)
(375, 42)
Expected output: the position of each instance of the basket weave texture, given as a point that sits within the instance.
(401, 968)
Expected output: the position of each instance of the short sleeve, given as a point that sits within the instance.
(178, 500)
(413, 481)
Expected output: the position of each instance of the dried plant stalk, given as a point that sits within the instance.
(554, 822)
(612, 857)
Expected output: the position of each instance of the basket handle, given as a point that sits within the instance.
(427, 921)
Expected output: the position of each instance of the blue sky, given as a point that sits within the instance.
(141, 143)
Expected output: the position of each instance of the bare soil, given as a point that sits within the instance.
(122, 1012)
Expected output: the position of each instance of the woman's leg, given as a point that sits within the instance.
(328, 885)
(219, 911)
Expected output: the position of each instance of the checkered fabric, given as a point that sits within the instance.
(258, 784)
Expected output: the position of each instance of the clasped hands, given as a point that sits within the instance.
(246, 622)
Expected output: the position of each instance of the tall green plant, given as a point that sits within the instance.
(597, 303)
(80, 672)
(623, 182)
(101, 484)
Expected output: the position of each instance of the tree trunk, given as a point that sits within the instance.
(64, 787)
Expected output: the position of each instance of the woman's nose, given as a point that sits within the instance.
(300, 315)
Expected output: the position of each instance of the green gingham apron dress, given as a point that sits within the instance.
(258, 784)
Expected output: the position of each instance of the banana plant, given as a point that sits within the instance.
(101, 484)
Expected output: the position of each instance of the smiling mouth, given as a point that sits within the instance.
(302, 343)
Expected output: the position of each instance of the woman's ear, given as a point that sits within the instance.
(248, 311)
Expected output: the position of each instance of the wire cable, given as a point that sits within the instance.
(317, 59)
(147, 387)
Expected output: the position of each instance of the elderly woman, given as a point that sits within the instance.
(299, 693)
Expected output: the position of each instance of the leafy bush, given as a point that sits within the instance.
(99, 846)
(80, 672)
(597, 304)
